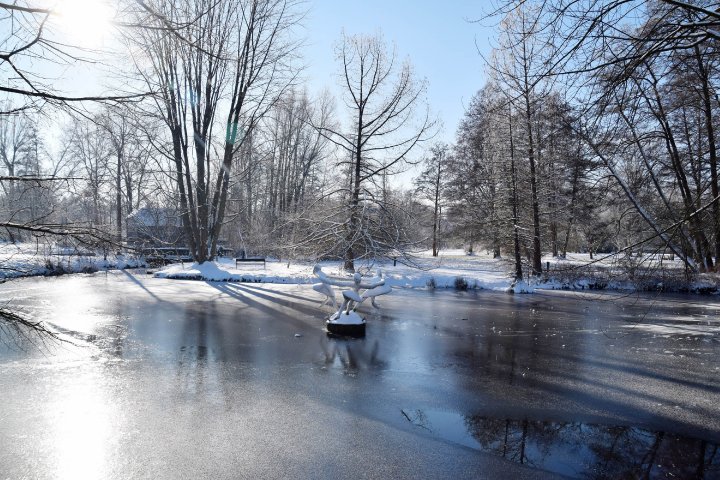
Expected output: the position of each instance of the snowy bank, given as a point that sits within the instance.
(644, 272)
(27, 260)
(454, 269)
(459, 272)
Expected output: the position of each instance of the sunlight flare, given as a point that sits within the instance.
(85, 22)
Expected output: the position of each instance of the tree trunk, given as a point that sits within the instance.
(353, 224)
(643, 213)
(354, 220)
(118, 197)
(514, 201)
(537, 254)
(436, 218)
(186, 214)
(573, 199)
(707, 104)
(703, 256)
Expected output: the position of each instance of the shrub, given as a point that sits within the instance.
(461, 284)
(54, 269)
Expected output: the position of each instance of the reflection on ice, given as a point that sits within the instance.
(352, 354)
(81, 418)
(578, 450)
(80, 437)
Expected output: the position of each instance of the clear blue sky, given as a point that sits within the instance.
(436, 35)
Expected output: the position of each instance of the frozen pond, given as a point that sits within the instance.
(182, 379)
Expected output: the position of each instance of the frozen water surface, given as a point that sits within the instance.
(183, 379)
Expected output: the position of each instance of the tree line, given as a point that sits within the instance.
(217, 136)
(594, 132)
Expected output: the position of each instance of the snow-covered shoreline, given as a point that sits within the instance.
(453, 269)
(485, 274)
(27, 260)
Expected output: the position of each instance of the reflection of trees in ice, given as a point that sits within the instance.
(417, 417)
(596, 451)
(520, 441)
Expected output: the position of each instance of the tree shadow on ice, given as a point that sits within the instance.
(268, 304)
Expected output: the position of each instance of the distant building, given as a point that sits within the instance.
(155, 226)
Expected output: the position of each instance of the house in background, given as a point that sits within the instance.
(155, 226)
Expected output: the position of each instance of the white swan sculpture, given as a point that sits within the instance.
(346, 321)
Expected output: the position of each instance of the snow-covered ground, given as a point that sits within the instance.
(650, 272)
(455, 269)
(447, 271)
(452, 269)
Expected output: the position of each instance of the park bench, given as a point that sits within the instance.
(249, 260)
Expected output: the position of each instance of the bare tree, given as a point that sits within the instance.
(388, 116)
(238, 59)
(582, 30)
(431, 183)
(17, 139)
(520, 67)
(91, 151)
(645, 79)
(118, 128)
(30, 50)
(19, 156)
(130, 150)
(295, 149)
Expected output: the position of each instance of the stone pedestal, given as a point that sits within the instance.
(346, 323)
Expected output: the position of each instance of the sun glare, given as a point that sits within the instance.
(86, 23)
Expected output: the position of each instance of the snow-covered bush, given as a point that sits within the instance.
(461, 284)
